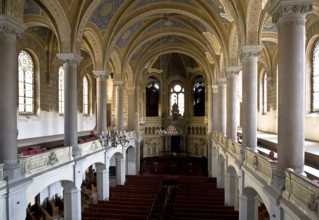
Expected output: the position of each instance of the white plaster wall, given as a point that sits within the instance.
(312, 127)
(49, 123)
(268, 123)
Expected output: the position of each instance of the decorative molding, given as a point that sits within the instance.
(221, 81)
(11, 26)
(299, 8)
(232, 71)
(249, 51)
(215, 88)
(313, 203)
(119, 83)
(130, 90)
(69, 58)
(101, 74)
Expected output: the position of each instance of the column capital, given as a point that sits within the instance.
(119, 83)
(130, 90)
(69, 58)
(101, 74)
(10, 26)
(221, 81)
(249, 51)
(293, 9)
(232, 71)
(215, 88)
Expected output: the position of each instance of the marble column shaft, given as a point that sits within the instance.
(102, 182)
(249, 56)
(232, 110)
(119, 104)
(10, 31)
(101, 77)
(70, 63)
(291, 18)
(215, 107)
(222, 105)
(131, 108)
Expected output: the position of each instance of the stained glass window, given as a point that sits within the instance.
(26, 83)
(152, 97)
(177, 96)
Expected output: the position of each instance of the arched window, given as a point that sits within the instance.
(264, 94)
(315, 79)
(85, 96)
(177, 97)
(199, 97)
(61, 90)
(26, 83)
(152, 97)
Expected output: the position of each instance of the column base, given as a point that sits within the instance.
(279, 182)
(12, 171)
(76, 152)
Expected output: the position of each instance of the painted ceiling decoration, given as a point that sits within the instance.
(133, 31)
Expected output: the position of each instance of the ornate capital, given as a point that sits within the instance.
(249, 51)
(221, 81)
(101, 74)
(293, 9)
(69, 58)
(130, 90)
(215, 88)
(232, 71)
(119, 83)
(11, 26)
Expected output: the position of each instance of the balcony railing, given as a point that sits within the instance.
(299, 190)
(46, 160)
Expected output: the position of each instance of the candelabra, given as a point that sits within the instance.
(113, 138)
(171, 130)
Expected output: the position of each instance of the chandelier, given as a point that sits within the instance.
(113, 138)
(171, 130)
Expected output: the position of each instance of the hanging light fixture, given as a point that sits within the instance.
(113, 138)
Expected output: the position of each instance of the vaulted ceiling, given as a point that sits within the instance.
(129, 36)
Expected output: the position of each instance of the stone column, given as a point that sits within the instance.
(214, 161)
(70, 63)
(120, 171)
(9, 31)
(221, 173)
(249, 56)
(131, 108)
(119, 104)
(215, 107)
(209, 108)
(101, 120)
(102, 182)
(290, 17)
(232, 111)
(222, 105)
(72, 201)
